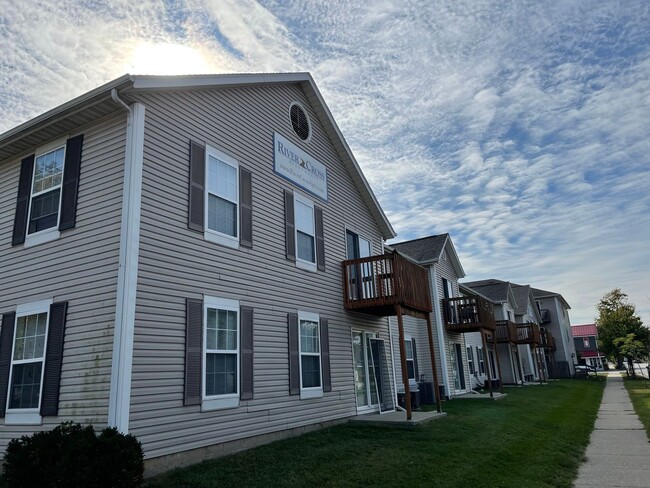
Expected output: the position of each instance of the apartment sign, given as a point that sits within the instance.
(297, 166)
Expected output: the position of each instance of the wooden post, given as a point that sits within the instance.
(436, 389)
(496, 354)
(486, 359)
(539, 371)
(521, 371)
(402, 353)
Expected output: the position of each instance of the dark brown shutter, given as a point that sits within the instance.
(294, 354)
(415, 360)
(320, 238)
(193, 351)
(53, 360)
(290, 226)
(197, 186)
(70, 188)
(246, 353)
(246, 207)
(22, 202)
(325, 354)
(6, 344)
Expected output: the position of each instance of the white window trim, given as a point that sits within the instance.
(53, 233)
(480, 359)
(28, 416)
(230, 400)
(302, 263)
(213, 235)
(317, 391)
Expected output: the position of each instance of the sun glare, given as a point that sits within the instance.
(167, 59)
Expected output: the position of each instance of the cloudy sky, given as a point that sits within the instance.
(522, 128)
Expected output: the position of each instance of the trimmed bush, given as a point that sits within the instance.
(73, 455)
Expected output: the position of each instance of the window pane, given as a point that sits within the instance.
(222, 215)
(309, 336)
(45, 211)
(410, 369)
(48, 170)
(220, 374)
(306, 247)
(310, 371)
(304, 218)
(211, 326)
(227, 330)
(25, 385)
(222, 179)
(408, 345)
(30, 336)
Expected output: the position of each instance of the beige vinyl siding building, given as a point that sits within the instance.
(202, 279)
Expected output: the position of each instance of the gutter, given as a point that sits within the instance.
(127, 276)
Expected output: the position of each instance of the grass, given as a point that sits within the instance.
(639, 391)
(536, 437)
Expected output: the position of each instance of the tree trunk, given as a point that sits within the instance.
(630, 366)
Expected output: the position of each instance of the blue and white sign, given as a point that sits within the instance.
(297, 166)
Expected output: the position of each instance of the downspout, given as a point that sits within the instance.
(440, 330)
(127, 276)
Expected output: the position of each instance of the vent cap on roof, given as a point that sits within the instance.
(300, 121)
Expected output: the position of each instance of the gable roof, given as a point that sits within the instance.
(428, 250)
(98, 102)
(584, 330)
(496, 290)
(538, 293)
(521, 293)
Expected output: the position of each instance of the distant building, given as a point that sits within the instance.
(585, 339)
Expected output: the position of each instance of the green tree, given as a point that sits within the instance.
(631, 349)
(617, 318)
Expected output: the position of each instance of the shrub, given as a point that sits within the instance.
(72, 455)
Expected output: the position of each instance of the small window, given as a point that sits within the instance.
(410, 359)
(311, 383)
(470, 360)
(221, 354)
(481, 360)
(305, 232)
(222, 198)
(300, 121)
(585, 342)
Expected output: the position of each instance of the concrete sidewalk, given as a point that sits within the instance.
(618, 454)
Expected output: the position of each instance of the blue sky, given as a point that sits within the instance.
(521, 128)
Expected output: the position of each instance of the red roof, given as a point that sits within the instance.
(584, 330)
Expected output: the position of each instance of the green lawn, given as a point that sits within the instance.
(534, 438)
(639, 390)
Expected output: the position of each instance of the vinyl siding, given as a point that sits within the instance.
(177, 263)
(80, 268)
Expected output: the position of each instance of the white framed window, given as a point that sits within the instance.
(470, 360)
(309, 347)
(221, 341)
(45, 196)
(305, 232)
(585, 342)
(28, 363)
(410, 358)
(222, 198)
(481, 360)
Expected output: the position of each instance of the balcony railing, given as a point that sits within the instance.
(376, 284)
(506, 331)
(468, 314)
(546, 340)
(528, 334)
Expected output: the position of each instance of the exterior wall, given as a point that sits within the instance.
(560, 327)
(177, 263)
(473, 340)
(80, 268)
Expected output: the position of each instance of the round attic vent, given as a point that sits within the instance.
(300, 121)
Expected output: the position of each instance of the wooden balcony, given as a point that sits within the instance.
(528, 334)
(376, 285)
(468, 314)
(546, 340)
(506, 331)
